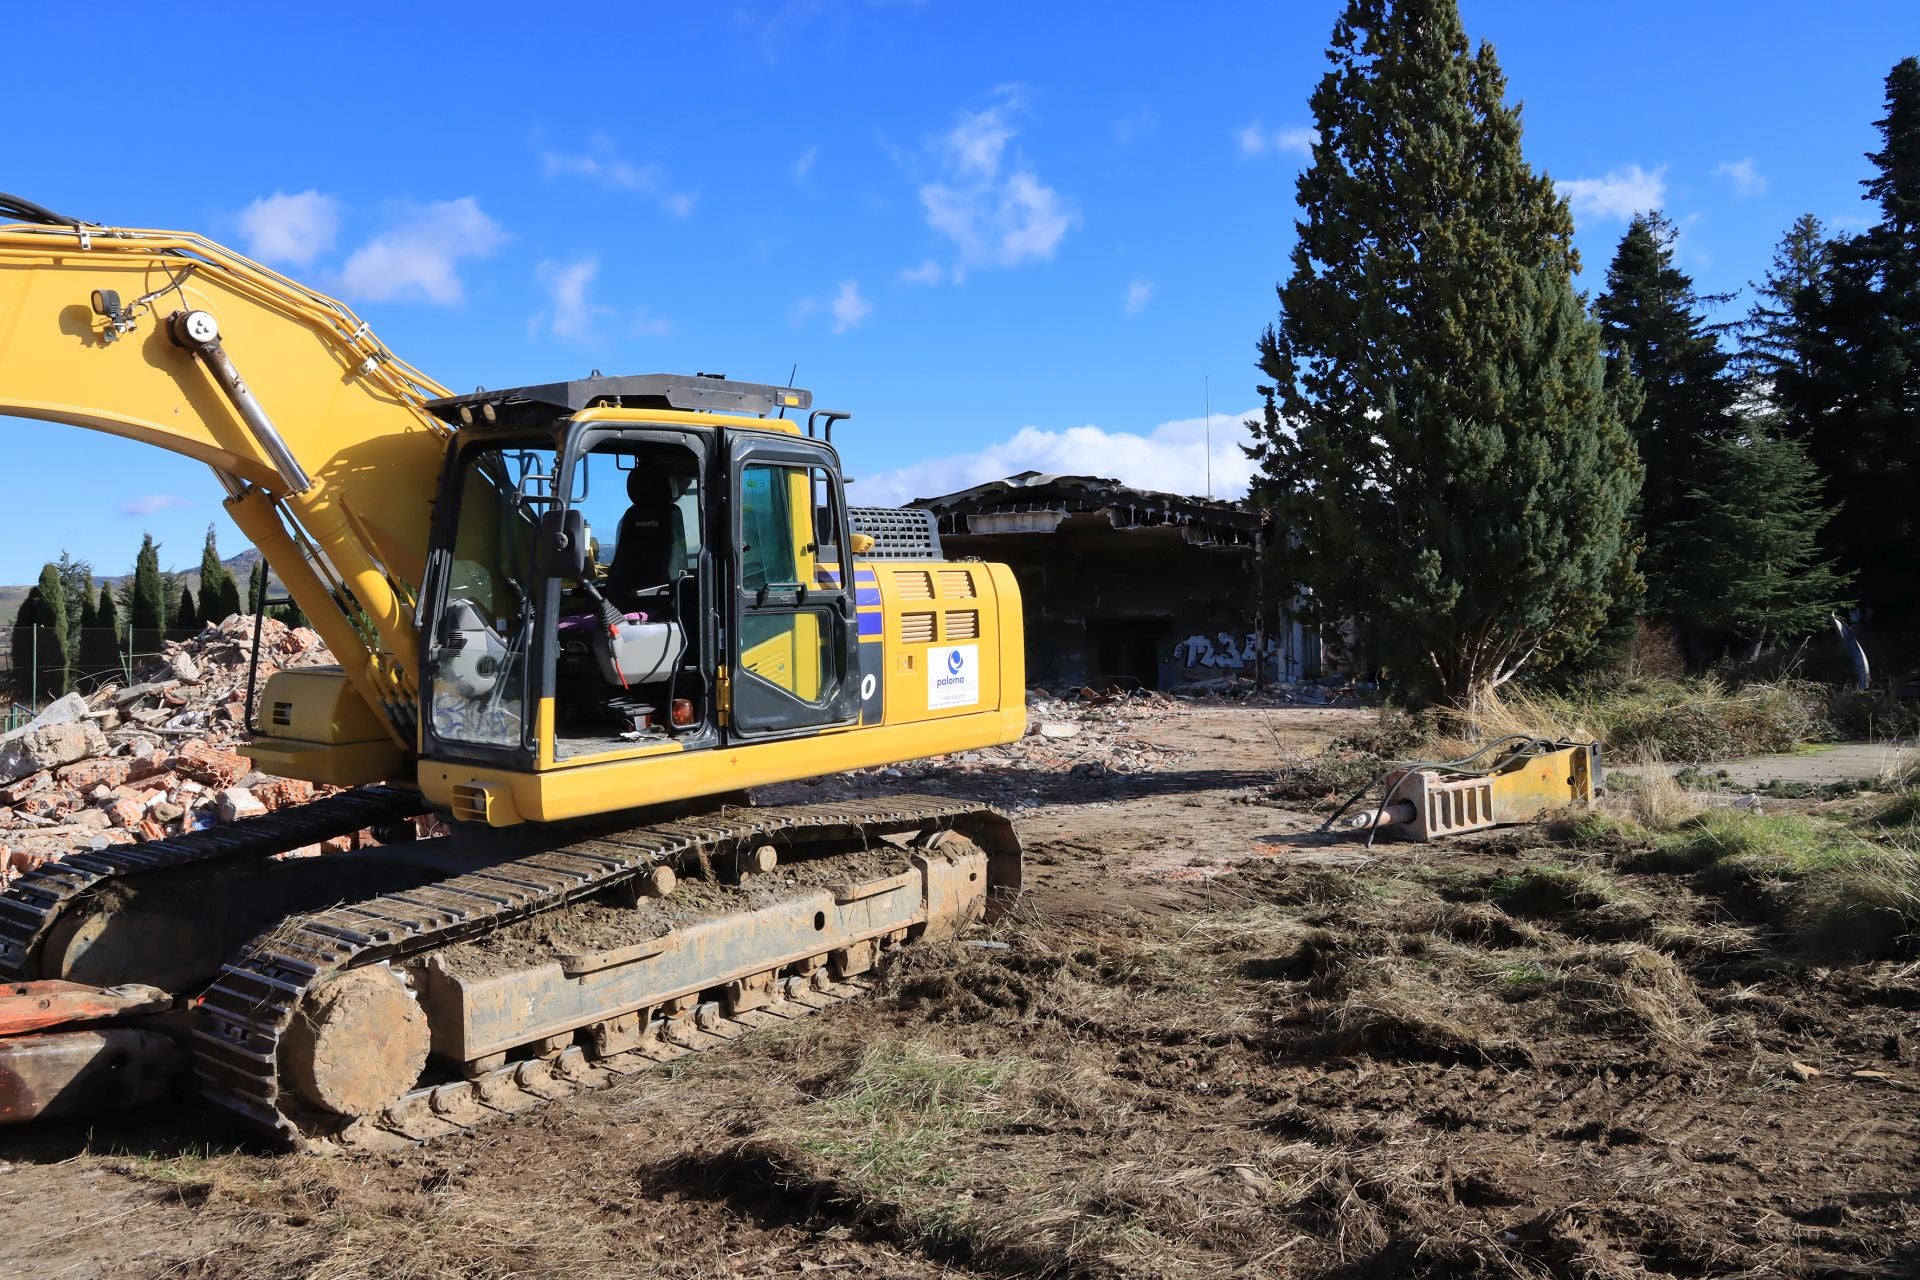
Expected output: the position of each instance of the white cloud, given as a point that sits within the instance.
(1745, 177)
(1139, 294)
(928, 272)
(294, 229)
(606, 168)
(418, 257)
(571, 311)
(1254, 140)
(568, 286)
(1172, 457)
(152, 504)
(804, 164)
(608, 172)
(994, 208)
(1620, 194)
(849, 308)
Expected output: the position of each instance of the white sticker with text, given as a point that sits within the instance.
(953, 676)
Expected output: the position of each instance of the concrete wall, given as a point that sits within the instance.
(1145, 605)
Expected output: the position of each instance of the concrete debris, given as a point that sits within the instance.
(44, 746)
(236, 803)
(1083, 733)
(151, 759)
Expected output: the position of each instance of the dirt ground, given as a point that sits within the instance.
(1209, 1042)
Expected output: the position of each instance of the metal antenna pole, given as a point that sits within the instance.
(1209, 400)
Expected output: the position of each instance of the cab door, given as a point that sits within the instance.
(793, 638)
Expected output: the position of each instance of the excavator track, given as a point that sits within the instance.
(242, 1020)
(34, 903)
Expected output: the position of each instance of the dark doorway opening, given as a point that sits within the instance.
(1126, 651)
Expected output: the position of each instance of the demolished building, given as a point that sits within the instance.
(1130, 586)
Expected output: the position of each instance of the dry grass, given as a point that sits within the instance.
(1657, 802)
(1648, 720)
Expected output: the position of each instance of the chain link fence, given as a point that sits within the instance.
(34, 671)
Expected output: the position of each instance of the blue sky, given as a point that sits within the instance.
(1003, 235)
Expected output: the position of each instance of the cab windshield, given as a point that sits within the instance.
(480, 678)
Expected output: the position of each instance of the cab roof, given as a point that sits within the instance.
(697, 392)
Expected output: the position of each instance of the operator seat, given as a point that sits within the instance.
(650, 550)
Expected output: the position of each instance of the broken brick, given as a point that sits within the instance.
(18, 791)
(87, 774)
(211, 765)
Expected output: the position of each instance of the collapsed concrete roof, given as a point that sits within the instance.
(1034, 502)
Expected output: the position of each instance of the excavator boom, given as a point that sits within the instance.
(169, 339)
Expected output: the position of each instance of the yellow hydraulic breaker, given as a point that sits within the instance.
(1424, 802)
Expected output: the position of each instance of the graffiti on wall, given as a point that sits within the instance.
(1223, 652)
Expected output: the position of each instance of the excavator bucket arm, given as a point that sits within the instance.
(315, 429)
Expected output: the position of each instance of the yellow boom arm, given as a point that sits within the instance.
(314, 428)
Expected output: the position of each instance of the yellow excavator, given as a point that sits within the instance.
(576, 621)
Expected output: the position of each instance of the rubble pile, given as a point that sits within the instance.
(150, 759)
(1327, 691)
(1082, 732)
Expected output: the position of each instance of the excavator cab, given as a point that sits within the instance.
(630, 577)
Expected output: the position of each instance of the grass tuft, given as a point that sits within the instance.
(1537, 892)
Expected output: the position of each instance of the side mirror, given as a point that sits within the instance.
(563, 543)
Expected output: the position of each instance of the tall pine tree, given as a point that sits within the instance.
(1439, 441)
(1856, 397)
(146, 601)
(1770, 337)
(1758, 539)
(52, 621)
(1656, 334)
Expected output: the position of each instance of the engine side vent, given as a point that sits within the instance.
(898, 533)
(282, 714)
(916, 628)
(963, 624)
(957, 584)
(913, 584)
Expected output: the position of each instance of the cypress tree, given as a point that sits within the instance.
(76, 577)
(52, 620)
(146, 603)
(25, 652)
(226, 605)
(1856, 394)
(1439, 441)
(218, 595)
(256, 586)
(89, 620)
(186, 619)
(100, 643)
(1655, 332)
